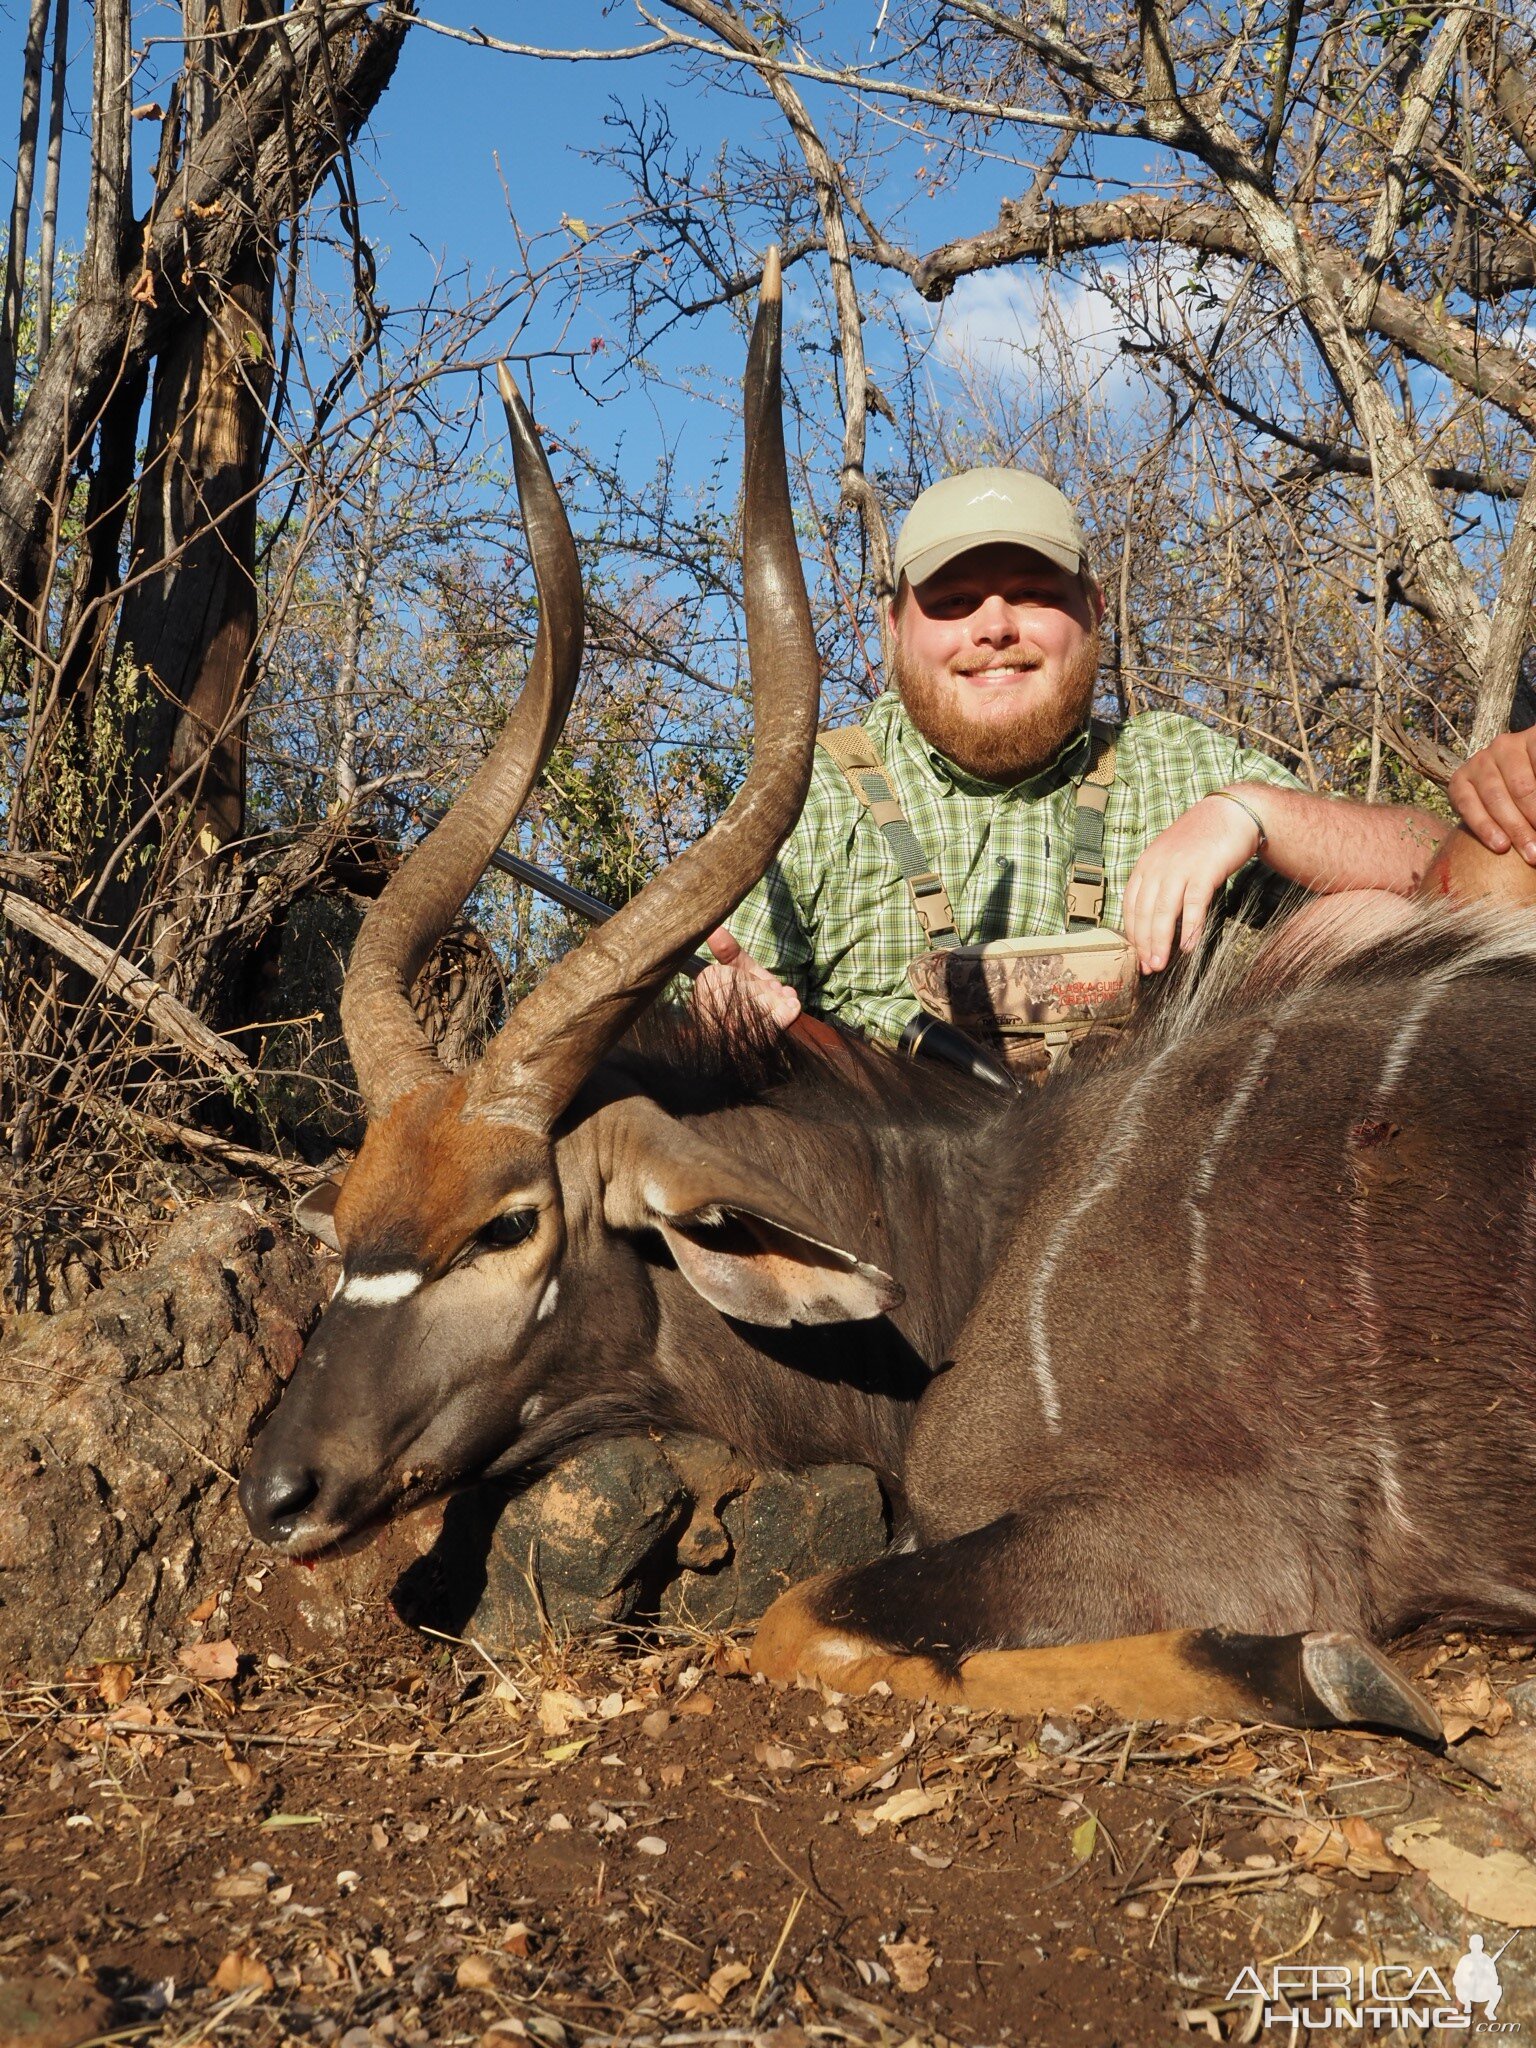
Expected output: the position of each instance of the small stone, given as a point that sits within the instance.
(651, 1845)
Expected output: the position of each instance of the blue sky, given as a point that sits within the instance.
(460, 130)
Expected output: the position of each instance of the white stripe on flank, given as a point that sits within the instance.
(1387, 1469)
(1406, 1035)
(1111, 1159)
(378, 1290)
(1205, 1172)
(1393, 1067)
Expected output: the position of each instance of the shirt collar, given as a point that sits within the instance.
(1064, 766)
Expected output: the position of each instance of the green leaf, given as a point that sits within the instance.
(294, 1820)
(255, 347)
(577, 226)
(564, 1751)
(1084, 1836)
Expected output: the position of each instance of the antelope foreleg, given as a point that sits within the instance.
(1316, 1680)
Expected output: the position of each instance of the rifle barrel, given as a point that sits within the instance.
(566, 894)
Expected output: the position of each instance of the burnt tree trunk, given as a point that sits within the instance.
(184, 297)
(189, 619)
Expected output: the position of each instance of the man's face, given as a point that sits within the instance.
(996, 658)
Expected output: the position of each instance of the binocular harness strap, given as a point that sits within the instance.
(853, 751)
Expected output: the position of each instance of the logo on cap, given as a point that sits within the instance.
(1002, 497)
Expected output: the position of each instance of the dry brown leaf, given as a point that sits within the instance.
(904, 1806)
(775, 1756)
(1442, 1654)
(1369, 1855)
(695, 1703)
(241, 1971)
(1186, 1863)
(696, 2005)
(209, 1661)
(1499, 1887)
(475, 1973)
(518, 1939)
(672, 1775)
(559, 1712)
(114, 1682)
(205, 1609)
(240, 1774)
(910, 1963)
(730, 1660)
(1472, 1703)
(723, 1982)
(1321, 1846)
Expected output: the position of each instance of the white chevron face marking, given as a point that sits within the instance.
(378, 1290)
(547, 1305)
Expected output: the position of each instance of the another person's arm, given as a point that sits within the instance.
(1325, 844)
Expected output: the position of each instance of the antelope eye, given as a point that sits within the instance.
(509, 1228)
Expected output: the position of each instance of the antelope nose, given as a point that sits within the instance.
(274, 1496)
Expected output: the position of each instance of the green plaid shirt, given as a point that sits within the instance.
(833, 917)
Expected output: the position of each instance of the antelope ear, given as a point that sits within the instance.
(740, 1238)
(316, 1213)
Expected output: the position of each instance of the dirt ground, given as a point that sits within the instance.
(639, 1842)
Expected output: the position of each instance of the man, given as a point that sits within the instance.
(985, 740)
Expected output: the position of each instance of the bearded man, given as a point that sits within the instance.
(985, 744)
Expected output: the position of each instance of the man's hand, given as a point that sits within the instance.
(1495, 794)
(1174, 881)
(738, 985)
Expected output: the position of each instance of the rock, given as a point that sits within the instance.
(41, 2012)
(784, 1526)
(121, 1423)
(681, 1528)
(594, 1538)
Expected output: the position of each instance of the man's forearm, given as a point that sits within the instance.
(1328, 843)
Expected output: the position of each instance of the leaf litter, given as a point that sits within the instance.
(423, 1843)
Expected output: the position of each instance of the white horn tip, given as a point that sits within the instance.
(504, 383)
(773, 276)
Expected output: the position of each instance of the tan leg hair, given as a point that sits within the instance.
(1315, 1680)
(1155, 1678)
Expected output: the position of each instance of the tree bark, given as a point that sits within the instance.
(21, 207)
(48, 234)
(234, 192)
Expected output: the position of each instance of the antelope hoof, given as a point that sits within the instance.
(1353, 1684)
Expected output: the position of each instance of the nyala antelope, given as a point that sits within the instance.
(1190, 1377)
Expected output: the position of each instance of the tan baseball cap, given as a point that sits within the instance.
(981, 506)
